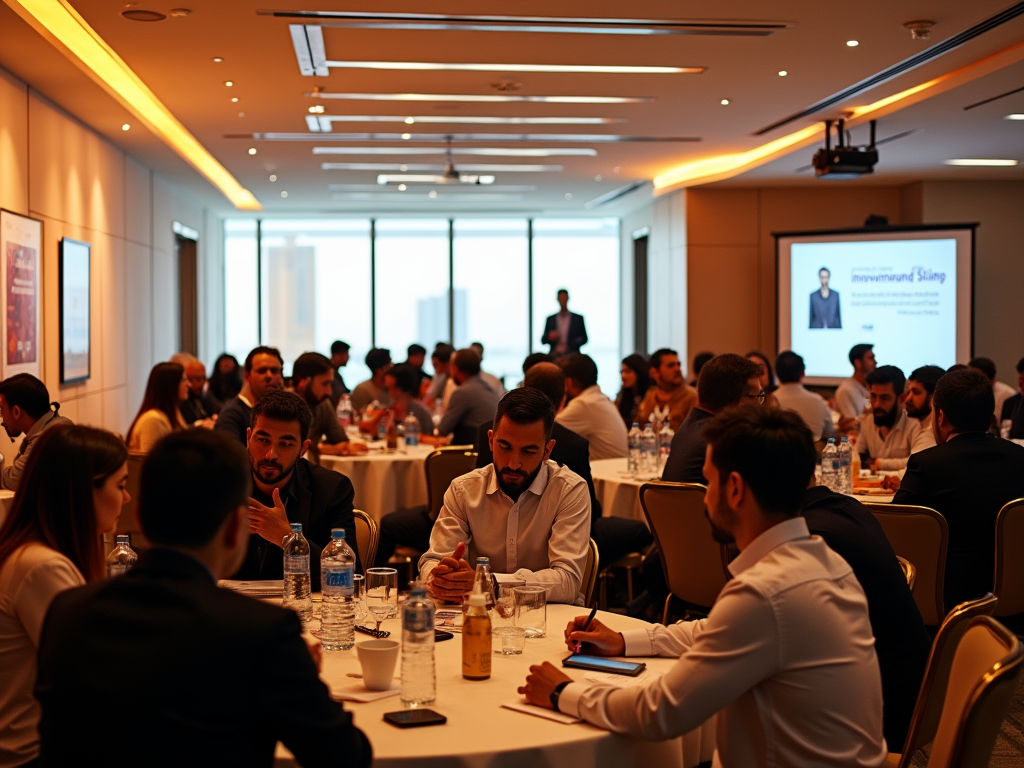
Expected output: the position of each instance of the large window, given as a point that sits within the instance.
(299, 284)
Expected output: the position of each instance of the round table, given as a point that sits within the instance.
(480, 733)
(383, 481)
(617, 489)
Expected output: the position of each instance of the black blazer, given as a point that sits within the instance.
(182, 673)
(1013, 410)
(968, 479)
(571, 451)
(577, 331)
(319, 499)
(686, 461)
(901, 640)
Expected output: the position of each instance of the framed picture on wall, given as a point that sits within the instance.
(21, 338)
(74, 310)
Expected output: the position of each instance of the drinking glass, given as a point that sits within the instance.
(382, 593)
(359, 593)
(504, 613)
(532, 610)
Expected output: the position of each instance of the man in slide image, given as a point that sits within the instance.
(888, 436)
(852, 393)
(564, 332)
(825, 304)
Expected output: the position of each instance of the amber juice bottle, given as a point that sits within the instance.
(476, 639)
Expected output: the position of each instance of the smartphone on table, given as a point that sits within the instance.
(414, 718)
(601, 664)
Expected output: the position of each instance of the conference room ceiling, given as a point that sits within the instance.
(566, 154)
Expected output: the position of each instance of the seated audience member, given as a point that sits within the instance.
(199, 407)
(530, 516)
(339, 359)
(312, 374)
(888, 435)
(725, 382)
(636, 380)
(967, 477)
(225, 381)
(901, 640)
(25, 409)
(1013, 408)
(472, 403)
(489, 378)
(378, 361)
(588, 412)
(403, 385)
(532, 359)
(72, 491)
(785, 658)
(1002, 392)
(852, 393)
(440, 360)
(792, 395)
(415, 356)
(158, 415)
(698, 363)
(670, 395)
(766, 377)
(216, 678)
(920, 389)
(262, 372)
(288, 489)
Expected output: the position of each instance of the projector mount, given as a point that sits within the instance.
(845, 161)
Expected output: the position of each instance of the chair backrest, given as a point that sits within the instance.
(982, 681)
(590, 572)
(691, 558)
(909, 571)
(928, 710)
(920, 535)
(367, 537)
(1009, 578)
(129, 520)
(442, 466)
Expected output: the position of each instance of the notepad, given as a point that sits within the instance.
(358, 692)
(522, 705)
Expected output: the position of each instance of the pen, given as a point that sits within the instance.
(590, 619)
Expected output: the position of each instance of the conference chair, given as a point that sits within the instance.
(1009, 579)
(693, 562)
(909, 571)
(920, 535)
(128, 523)
(924, 723)
(590, 572)
(442, 466)
(367, 537)
(629, 562)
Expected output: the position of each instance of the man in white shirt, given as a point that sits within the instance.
(1002, 392)
(793, 396)
(888, 435)
(852, 393)
(588, 412)
(530, 516)
(786, 658)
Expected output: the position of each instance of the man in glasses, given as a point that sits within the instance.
(725, 382)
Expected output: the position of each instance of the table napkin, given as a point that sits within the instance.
(521, 705)
(358, 692)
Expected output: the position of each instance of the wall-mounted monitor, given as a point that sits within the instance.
(906, 290)
(74, 311)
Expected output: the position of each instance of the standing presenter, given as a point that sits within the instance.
(825, 304)
(564, 331)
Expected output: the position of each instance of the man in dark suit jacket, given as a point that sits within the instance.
(207, 676)
(565, 332)
(1013, 407)
(288, 489)
(825, 304)
(967, 477)
(901, 640)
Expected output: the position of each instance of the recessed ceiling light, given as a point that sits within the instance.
(568, 195)
(783, 73)
(217, 59)
(273, 177)
(406, 136)
(486, 151)
(229, 83)
(435, 66)
(284, 194)
(439, 168)
(433, 178)
(241, 114)
(616, 169)
(1015, 116)
(125, 127)
(402, 187)
(724, 102)
(432, 194)
(137, 15)
(252, 150)
(853, 43)
(486, 98)
(234, 99)
(599, 177)
(403, 167)
(410, 120)
(985, 162)
(316, 109)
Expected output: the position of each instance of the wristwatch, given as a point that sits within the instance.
(556, 693)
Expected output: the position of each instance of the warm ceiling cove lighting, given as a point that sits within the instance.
(485, 98)
(434, 66)
(61, 24)
(485, 151)
(981, 162)
(439, 168)
(1015, 116)
(324, 123)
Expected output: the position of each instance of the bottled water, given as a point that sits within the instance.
(845, 480)
(344, 411)
(419, 683)
(634, 449)
(648, 451)
(483, 580)
(830, 464)
(297, 594)
(664, 445)
(412, 431)
(382, 425)
(338, 614)
(122, 558)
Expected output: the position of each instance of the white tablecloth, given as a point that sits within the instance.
(6, 500)
(482, 734)
(384, 482)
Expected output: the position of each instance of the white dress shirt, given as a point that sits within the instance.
(906, 436)
(852, 398)
(809, 407)
(786, 659)
(1002, 393)
(543, 538)
(592, 415)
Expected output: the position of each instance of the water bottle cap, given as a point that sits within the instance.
(296, 527)
(844, 439)
(831, 441)
(483, 561)
(122, 538)
(419, 589)
(636, 425)
(337, 533)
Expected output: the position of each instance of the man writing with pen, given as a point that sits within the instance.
(786, 658)
(529, 515)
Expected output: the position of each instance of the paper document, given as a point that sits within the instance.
(521, 705)
(254, 588)
(621, 681)
(358, 692)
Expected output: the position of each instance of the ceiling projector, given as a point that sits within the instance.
(844, 161)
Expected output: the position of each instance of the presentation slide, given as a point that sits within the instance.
(903, 294)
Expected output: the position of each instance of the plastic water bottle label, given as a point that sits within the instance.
(339, 579)
(412, 440)
(117, 570)
(296, 564)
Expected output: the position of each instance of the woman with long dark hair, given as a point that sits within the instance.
(71, 492)
(166, 389)
(636, 380)
(225, 379)
(766, 376)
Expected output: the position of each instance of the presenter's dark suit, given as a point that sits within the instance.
(968, 479)
(319, 499)
(901, 641)
(577, 332)
(179, 672)
(825, 312)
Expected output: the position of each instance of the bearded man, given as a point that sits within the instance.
(888, 435)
